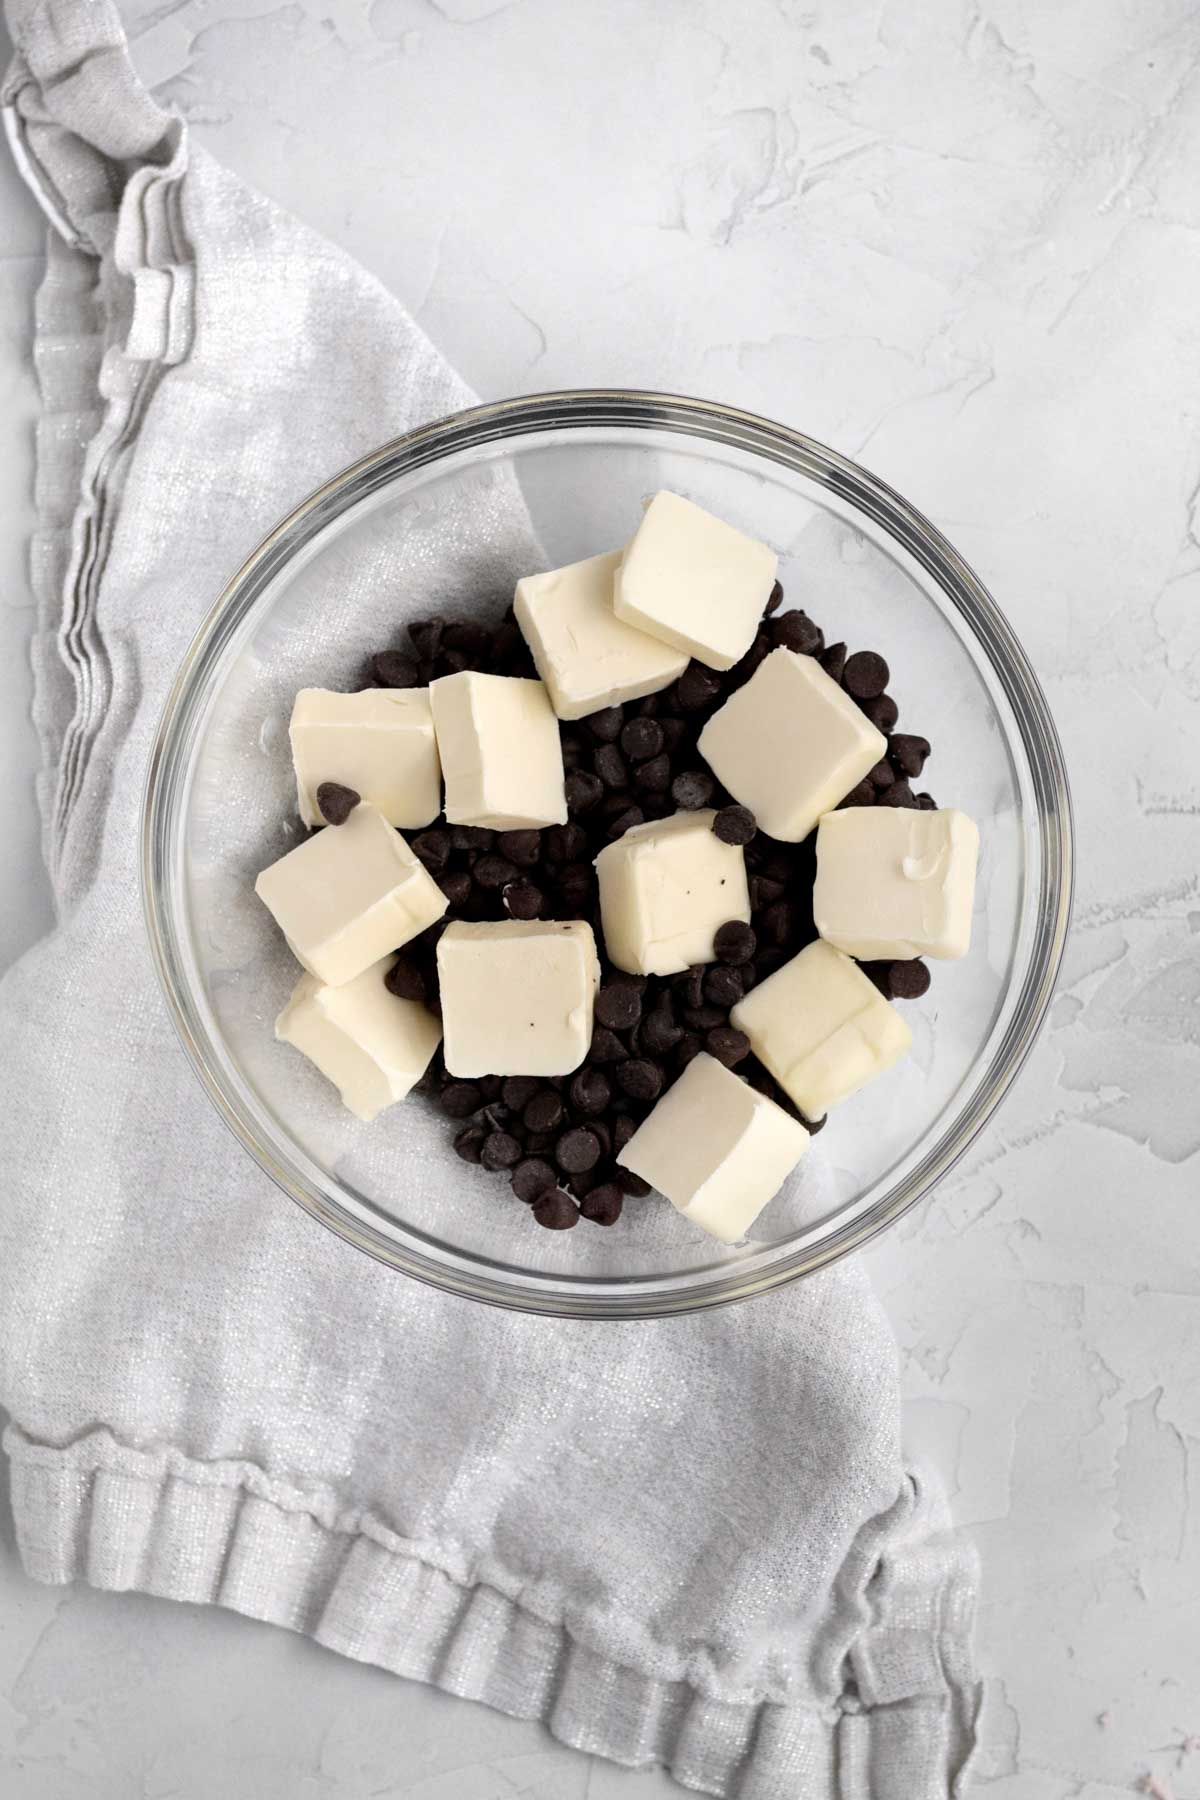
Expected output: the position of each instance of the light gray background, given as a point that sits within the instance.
(961, 242)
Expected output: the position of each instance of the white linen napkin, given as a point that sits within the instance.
(690, 1541)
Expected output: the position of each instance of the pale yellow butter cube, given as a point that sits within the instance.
(895, 882)
(501, 755)
(666, 887)
(517, 998)
(587, 657)
(380, 742)
(822, 1028)
(790, 744)
(717, 1149)
(372, 1046)
(349, 895)
(695, 582)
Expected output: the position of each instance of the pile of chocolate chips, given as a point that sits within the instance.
(557, 1138)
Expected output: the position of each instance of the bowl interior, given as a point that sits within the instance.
(447, 523)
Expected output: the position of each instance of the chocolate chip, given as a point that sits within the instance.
(774, 600)
(521, 847)
(544, 1113)
(433, 848)
(471, 837)
(603, 1205)
(865, 675)
(493, 871)
(908, 980)
(461, 1098)
(693, 789)
(909, 753)
(833, 661)
(392, 669)
(625, 821)
(532, 1178)
(605, 726)
(469, 1143)
(735, 824)
(688, 1048)
(489, 1086)
(405, 980)
(618, 1005)
(336, 802)
(516, 1091)
(881, 974)
(812, 1126)
(696, 688)
(606, 1046)
(727, 1045)
(639, 1078)
(500, 1151)
(659, 1031)
(689, 986)
(862, 795)
(899, 794)
(882, 712)
(723, 986)
(610, 766)
(735, 942)
(590, 1092)
(882, 774)
(623, 1129)
(555, 1211)
(583, 1182)
(653, 777)
(426, 635)
(583, 790)
(472, 639)
(642, 738)
(703, 1018)
(522, 900)
(632, 1184)
(576, 885)
(564, 843)
(577, 1150)
(926, 803)
(602, 1131)
(456, 885)
(778, 923)
(796, 631)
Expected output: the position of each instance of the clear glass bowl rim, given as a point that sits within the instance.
(587, 408)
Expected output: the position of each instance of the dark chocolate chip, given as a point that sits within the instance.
(735, 942)
(583, 790)
(606, 1046)
(659, 1031)
(489, 1086)
(882, 712)
(601, 1129)
(603, 1205)
(640, 1078)
(703, 1018)
(618, 1005)
(862, 795)
(605, 726)
(625, 821)
(461, 1098)
(521, 847)
(812, 1126)
(471, 837)
(688, 1048)
(693, 789)
(532, 1178)
(544, 1113)
(909, 753)
(653, 777)
(689, 986)
(426, 635)
(727, 1045)
(473, 639)
(610, 766)
(735, 824)
(493, 871)
(899, 794)
(696, 688)
(642, 738)
(881, 974)
(774, 600)
(833, 661)
(590, 1092)
(583, 1182)
(723, 986)
(577, 1150)
(433, 848)
(469, 1143)
(796, 631)
(882, 775)
(632, 1184)
(406, 980)
(908, 980)
(926, 803)
(564, 843)
(516, 1091)
(555, 1211)
(778, 923)
(576, 885)
(500, 1151)
(865, 675)
(623, 1129)
(392, 669)
(456, 885)
(336, 802)
(523, 900)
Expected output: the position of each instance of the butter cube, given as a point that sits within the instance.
(349, 895)
(587, 657)
(666, 887)
(517, 998)
(822, 1028)
(695, 582)
(501, 756)
(895, 882)
(379, 742)
(372, 1046)
(790, 744)
(717, 1149)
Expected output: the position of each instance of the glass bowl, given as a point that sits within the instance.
(445, 519)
